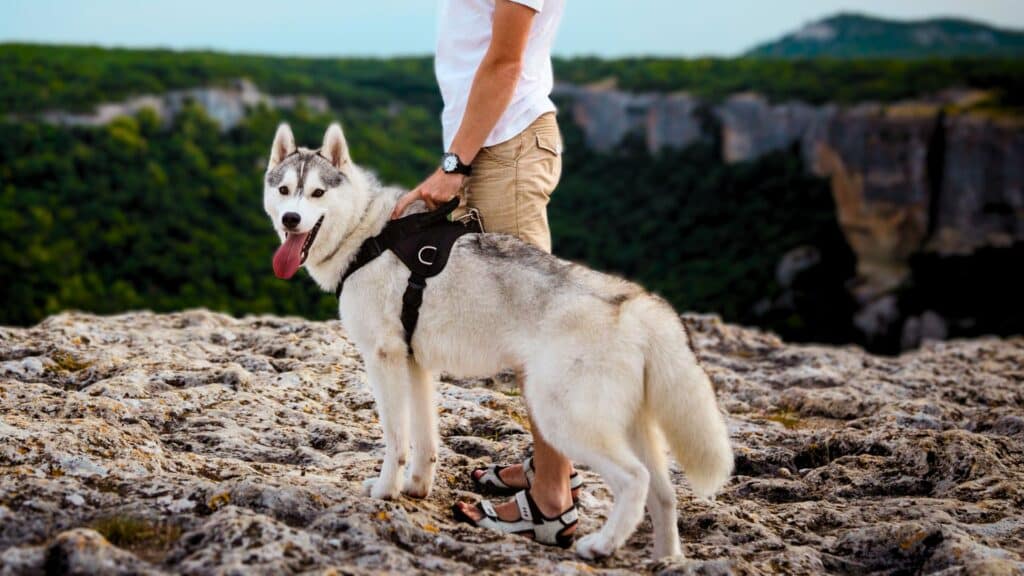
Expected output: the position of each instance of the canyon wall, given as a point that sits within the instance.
(228, 105)
(935, 176)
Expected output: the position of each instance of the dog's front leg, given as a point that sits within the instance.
(389, 377)
(424, 432)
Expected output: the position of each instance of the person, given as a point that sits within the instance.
(503, 153)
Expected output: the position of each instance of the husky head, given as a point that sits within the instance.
(312, 197)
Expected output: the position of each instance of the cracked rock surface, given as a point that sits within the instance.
(198, 443)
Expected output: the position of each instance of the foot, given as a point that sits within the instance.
(515, 477)
(550, 505)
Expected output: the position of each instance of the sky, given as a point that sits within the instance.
(400, 27)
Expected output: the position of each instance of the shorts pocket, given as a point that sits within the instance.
(550, 142)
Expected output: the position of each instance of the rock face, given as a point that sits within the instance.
(878, 160)
(908, 178)
(227, 105)
(197, 443)
(753, 127)
(609, 116)
(981, 201)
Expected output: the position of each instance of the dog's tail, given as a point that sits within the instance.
(681, 397)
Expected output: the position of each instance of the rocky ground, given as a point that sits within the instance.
(199, 443)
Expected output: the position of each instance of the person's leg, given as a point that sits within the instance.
(511, 185)
(551, 479)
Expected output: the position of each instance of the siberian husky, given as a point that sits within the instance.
(610, 376)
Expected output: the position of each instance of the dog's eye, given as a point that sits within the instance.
(318, 192)
(283, 190)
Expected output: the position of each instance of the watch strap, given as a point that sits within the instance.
(460, 167)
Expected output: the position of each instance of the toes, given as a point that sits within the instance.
(373, 488)
(416, 488)
(469, 510)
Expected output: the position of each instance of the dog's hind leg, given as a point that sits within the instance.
(661, 496)
(628, 479)
(424, 432)
(388, 373)
(592, 426)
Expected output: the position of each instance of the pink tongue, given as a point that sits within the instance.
(288, 257)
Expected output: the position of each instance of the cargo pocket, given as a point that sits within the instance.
(550, 142)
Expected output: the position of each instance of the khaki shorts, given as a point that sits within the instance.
(512, 182)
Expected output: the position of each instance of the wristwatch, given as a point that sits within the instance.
(452, 164)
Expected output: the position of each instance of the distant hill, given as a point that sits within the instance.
(858, 36)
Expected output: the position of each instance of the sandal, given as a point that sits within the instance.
(490, 481)
(545, 530)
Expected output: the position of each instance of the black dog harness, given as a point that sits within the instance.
(423, 243)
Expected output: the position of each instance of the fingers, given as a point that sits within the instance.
(403, 202)
(432, 191)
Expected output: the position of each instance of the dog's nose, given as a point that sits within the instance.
(290, 220)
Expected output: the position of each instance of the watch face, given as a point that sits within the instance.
(450, 163)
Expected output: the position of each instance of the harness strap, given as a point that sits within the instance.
(411, 301)
(366, 254)
(422, 242)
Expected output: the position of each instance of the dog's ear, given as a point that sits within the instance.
(284, 144)
(335, 148)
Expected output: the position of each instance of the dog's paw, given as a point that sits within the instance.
(374, 488)
(664, 551)
(594, 546)
(417, 486)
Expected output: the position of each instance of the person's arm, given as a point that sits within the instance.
(493, 86)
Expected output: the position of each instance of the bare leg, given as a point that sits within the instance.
(550, 488)
(551, 483)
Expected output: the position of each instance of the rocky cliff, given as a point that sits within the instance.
(197, 443)
(228, 105)
(939, 176)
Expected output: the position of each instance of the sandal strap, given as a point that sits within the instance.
(488, 509)
(492, 522)
(526, 506)
(545, 530)
(575, 480)
(491, 477)
(526, 501)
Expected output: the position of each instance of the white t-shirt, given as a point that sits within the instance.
(464, 34)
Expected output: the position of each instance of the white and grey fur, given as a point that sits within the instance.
(610, 377)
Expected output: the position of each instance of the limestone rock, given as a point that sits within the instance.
(981, 200)
(753, 127)
(922, 176)
(198, 443)
(609, 116)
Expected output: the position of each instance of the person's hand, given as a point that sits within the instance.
(437, 189)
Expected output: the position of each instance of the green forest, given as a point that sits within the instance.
(36, 77)
(137, 214)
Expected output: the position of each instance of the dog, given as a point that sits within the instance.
(610, 376)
